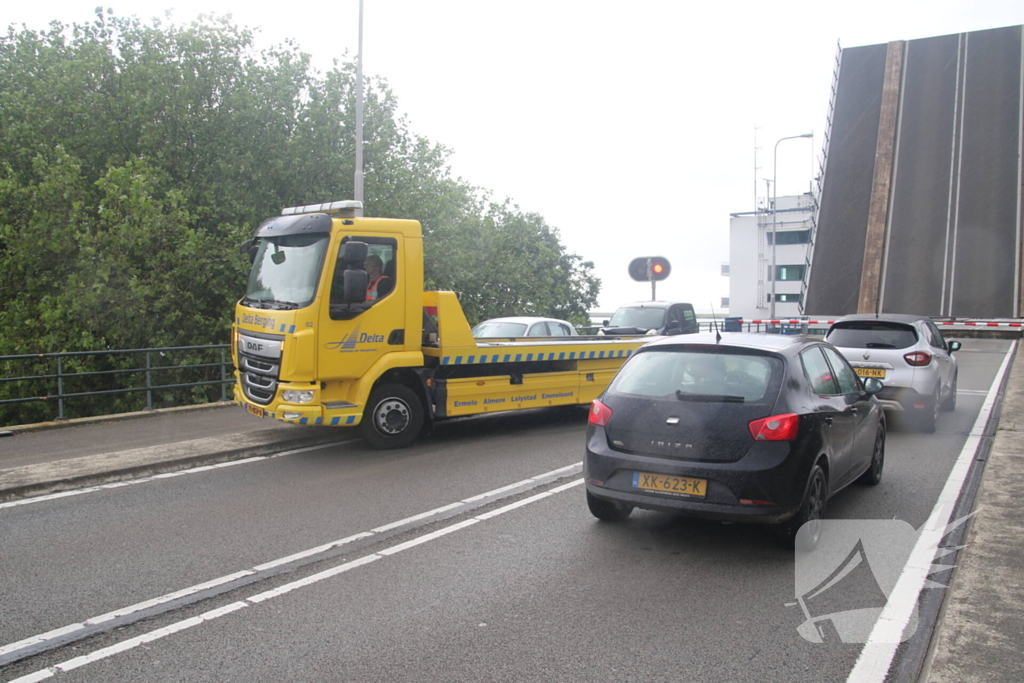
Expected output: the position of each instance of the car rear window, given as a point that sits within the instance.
(872, 334)
(681, 374)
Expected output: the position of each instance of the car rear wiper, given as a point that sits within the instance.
(879, 345)
(708, 398)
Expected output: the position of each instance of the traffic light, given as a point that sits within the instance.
(649, 268)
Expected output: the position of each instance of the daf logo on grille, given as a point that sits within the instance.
(670, 444)
(253, 346)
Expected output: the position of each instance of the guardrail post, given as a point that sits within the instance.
(60, 387)
(149, 381)
(223, 378)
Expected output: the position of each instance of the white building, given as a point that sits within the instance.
(750, 258)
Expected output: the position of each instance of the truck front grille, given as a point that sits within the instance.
(259, 364)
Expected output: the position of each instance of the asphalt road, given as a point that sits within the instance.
(485, 590)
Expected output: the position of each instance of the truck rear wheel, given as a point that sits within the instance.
(393, 417)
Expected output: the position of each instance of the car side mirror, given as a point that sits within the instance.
(872, 385)
(605, 323)
(954, 346)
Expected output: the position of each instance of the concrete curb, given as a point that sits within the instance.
(63, 475)
(981, 630)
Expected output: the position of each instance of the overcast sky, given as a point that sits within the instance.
(630, 126)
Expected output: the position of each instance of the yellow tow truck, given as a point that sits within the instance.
(317, 340)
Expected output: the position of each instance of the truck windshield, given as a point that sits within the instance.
(646, 318)
(285, 271)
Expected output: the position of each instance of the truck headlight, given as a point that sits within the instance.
(304, 396)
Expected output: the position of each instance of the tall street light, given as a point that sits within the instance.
(775, 196)
(359, 116)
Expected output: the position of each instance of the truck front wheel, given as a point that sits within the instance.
(393, 417)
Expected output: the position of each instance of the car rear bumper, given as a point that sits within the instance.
(902, 399)
(765, 486)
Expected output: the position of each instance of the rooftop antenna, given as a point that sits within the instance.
(714, 319)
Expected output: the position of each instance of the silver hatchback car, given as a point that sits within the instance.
(907, 352)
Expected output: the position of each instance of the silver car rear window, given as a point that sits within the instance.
(701, 375)
(872, 334)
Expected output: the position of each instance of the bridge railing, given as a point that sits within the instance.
(176, 375)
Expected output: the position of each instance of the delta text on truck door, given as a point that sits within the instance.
(335, 329)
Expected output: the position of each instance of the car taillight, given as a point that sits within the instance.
(599, 414)
(918, 358)
(775, 428)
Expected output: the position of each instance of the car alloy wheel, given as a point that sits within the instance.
(809, 516)
(873, 475)
(949, 405)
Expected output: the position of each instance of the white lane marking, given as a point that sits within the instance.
(420, 540)
(312, 551)
(167, 475)
(880, 649)
(146, 638)
(326, 574)
(282, 590)
(71, 628)
(56, 633)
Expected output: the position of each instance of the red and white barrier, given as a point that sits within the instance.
(967, 323)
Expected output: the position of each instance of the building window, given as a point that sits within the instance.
(725, 269)
(725, 302)
(788, 272)
(785, 298)
(791, 237)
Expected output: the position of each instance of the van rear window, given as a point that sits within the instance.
(872, 334)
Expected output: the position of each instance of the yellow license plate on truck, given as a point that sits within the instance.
(258, 412)
(871, 372)
(680, 486)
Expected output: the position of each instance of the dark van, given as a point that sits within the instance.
(653, 318)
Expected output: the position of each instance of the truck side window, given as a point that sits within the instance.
(380, 267)
(382, 275)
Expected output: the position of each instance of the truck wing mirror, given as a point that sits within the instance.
(354, 253)
(249, 248)
(356, 282)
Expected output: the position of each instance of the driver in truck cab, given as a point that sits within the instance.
(379, 285)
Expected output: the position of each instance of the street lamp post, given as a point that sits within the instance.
(358, 181)
(775, 196)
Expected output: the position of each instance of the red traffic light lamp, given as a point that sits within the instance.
(649, 268)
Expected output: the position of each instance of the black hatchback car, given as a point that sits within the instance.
(734, 427)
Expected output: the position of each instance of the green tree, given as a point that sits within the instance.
(136, 157)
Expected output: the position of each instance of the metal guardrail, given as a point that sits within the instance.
(148, 372)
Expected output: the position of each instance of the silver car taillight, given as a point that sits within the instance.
(918, 358)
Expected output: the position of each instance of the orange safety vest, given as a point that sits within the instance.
(371, 289)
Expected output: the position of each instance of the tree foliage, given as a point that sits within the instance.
(135, 157)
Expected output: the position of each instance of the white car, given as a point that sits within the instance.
(524, 326)
(907, 352)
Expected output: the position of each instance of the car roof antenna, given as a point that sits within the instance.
(714, 318)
